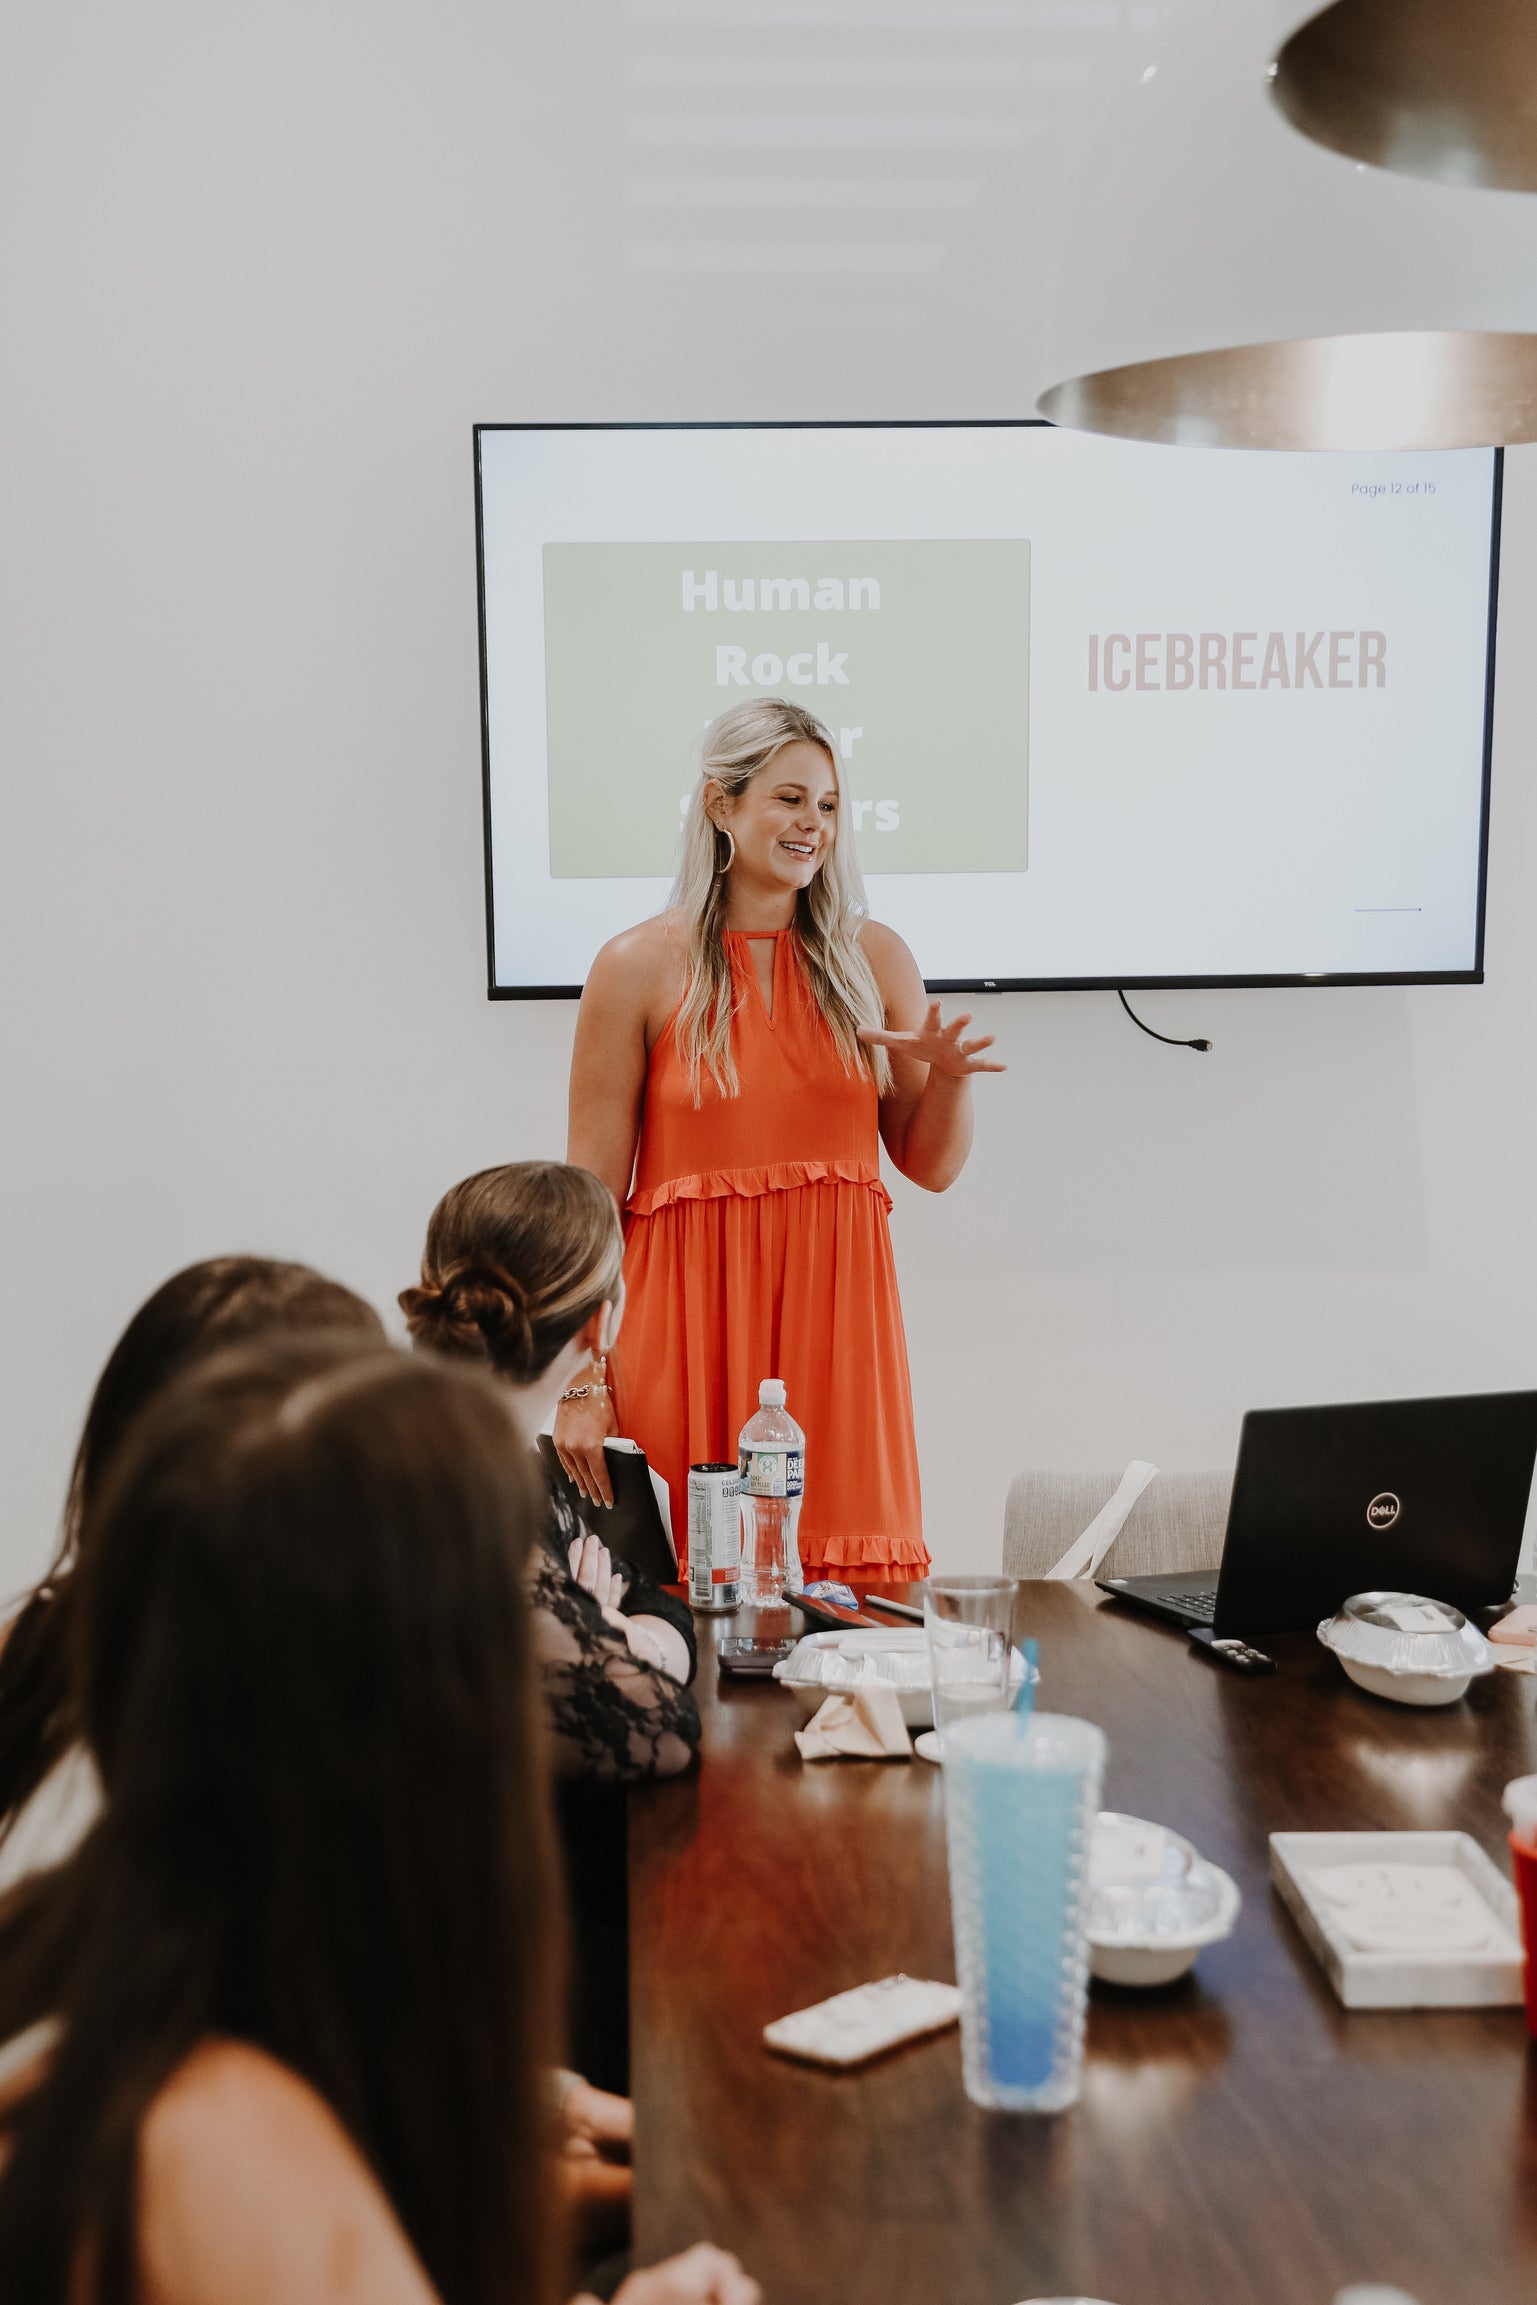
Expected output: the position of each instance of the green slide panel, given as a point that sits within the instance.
(915, 655)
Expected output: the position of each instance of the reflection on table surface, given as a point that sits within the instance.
(1240, 2136)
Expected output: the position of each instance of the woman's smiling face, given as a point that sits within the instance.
(784, 821)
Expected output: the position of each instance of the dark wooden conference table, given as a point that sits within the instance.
(1241, 2139)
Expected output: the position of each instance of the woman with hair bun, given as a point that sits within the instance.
(522, 1274)
(739, 1061)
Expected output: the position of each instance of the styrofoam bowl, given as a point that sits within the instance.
(1143, 1965)
(1153, 1961)
(1410, 1688)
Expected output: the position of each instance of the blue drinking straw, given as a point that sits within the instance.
(1024, 1702)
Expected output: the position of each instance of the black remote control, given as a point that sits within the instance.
(1224, 1650)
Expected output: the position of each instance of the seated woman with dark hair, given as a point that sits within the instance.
(48, 1792)
(522, 1274)
(306, 1955)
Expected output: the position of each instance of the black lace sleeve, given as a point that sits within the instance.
(644, 1598)
(614, 1719)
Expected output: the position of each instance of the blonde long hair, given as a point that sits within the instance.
(736, 747)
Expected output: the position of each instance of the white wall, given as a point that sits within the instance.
(261, 272)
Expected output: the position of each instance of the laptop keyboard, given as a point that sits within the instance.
(1202, 1606)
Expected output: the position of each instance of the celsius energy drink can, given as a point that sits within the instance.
(714, 1538)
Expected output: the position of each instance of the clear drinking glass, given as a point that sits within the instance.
(969, 1623)
(1021, 1797)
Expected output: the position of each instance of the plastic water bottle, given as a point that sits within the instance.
(771, 1470)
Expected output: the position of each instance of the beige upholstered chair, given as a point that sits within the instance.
(1178, 1522)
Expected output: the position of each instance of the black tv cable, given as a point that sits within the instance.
(1168, 1039)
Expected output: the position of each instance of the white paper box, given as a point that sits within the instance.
(1490, 1980)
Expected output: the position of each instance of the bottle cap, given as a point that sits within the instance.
(771, 1393)
(1519, 1802)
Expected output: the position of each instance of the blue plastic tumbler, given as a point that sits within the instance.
(1021, 1796)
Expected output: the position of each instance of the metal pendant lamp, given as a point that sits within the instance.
(1445, 89)
(1227, 283)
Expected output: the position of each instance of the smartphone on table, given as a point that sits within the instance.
(745, 1657)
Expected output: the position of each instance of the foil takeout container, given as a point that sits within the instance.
(837, 1664)
(1407, 1646)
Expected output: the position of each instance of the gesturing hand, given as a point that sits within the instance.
(938, 1045)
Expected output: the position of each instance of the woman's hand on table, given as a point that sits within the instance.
(939, 1045)
(703, 2275)
(581, 1428)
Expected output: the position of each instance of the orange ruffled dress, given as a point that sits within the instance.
(757, 1246)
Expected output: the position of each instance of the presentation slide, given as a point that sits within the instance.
(1105, 713)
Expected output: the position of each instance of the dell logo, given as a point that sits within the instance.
(1383, 1510)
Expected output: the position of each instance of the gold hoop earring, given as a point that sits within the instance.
(731, 844)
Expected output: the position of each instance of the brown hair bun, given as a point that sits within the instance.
(516, 1260)
(475, 1312)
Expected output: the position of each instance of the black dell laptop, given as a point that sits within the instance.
(1403, 1496)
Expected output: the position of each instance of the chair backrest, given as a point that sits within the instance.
(1178, 1522)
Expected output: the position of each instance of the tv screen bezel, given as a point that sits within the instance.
(971, 984)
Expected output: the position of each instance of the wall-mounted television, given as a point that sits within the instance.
(1107, 714)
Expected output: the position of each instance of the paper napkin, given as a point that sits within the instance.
(864, 1726)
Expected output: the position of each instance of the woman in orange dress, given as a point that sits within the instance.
(739, 1061)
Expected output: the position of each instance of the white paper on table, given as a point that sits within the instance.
(1085, 1553)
